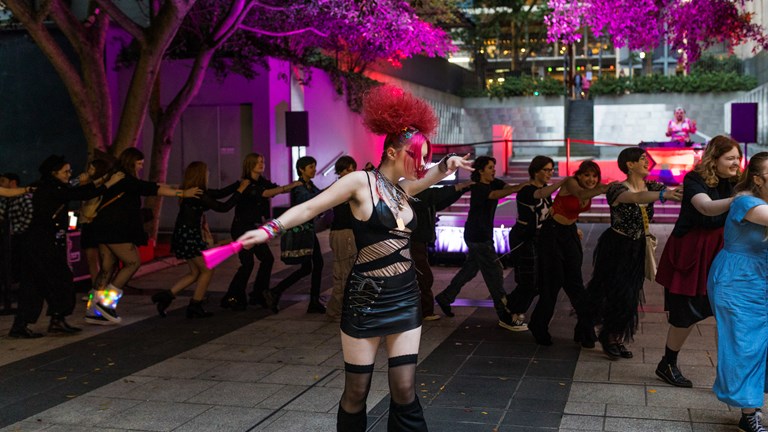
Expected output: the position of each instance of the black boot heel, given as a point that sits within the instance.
(163, 299)
(195, 310)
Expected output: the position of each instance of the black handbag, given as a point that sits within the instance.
(297, 244)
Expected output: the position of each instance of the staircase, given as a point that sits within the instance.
(580, 124)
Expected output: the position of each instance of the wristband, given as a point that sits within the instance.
(661, 196)
(180, 193)
(443, 164)
(273, 228)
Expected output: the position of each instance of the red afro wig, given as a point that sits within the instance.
(390, 110)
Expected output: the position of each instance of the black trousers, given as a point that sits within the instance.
(239, 282)
(46, 277)
(560, 259)
(313, 267)
(526, 262)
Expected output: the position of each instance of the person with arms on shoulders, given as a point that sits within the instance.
(693, 245)
(478, 235)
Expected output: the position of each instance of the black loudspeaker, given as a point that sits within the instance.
(744, 122)
(297, 128)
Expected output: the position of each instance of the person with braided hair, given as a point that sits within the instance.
(381, 297)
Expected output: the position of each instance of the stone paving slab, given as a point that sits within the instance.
(284, 372)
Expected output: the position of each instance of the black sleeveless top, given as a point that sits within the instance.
(383, 249)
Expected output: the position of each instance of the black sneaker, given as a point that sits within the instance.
(752, 422)
(108, 313)
(23, 333)
(671, 374)
(513, 323)
(444, 304)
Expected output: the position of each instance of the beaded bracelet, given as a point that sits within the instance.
(273, 228)
(661, 196)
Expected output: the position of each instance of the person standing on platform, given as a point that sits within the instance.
(46, 275)
(738, 294)
(690, 250)
(681, 127)
(381, 300)
(18, 211)
(342, 244)
(478, 235)
(426, 205)
(251, 211)
(306, 168)
(533, 203)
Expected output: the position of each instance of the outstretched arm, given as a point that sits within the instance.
(345, 189)
(547, 191)
(446, 167)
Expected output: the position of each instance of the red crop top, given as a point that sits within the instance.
(568, 206)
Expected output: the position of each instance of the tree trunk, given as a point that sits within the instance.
(162, 142)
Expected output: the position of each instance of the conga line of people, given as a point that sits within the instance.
(715, 262)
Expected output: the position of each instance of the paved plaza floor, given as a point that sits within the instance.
(255, 371)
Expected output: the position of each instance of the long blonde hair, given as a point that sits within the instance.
(717, 147)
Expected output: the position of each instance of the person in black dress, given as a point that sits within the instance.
(381, 299)
(613, 293)
(45, 273)
(188, 240)
(118, 228)
(251, 211)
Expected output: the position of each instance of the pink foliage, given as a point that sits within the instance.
(361, 32)
(692, 25)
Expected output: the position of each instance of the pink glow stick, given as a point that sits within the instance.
(217, 255)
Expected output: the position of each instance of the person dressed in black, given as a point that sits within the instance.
(46, 274)
(188, 240)
(478, 235)
(381, 299)
(251, 211)
(306, 167)
(118, 229)
(533, 203)
(430, 201)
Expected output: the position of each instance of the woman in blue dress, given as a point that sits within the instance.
(738, 292)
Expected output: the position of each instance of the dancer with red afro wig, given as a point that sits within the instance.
(381, 297)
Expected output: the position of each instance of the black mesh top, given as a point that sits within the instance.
(383, 250)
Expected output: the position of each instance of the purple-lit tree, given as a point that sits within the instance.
(233, 34)
(691, 25)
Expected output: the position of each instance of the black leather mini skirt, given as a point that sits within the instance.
(376, 306)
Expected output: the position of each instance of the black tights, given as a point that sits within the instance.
(357, 383)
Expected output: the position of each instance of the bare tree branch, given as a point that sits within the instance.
(123, 20)
(283, 34)
(43, 12)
